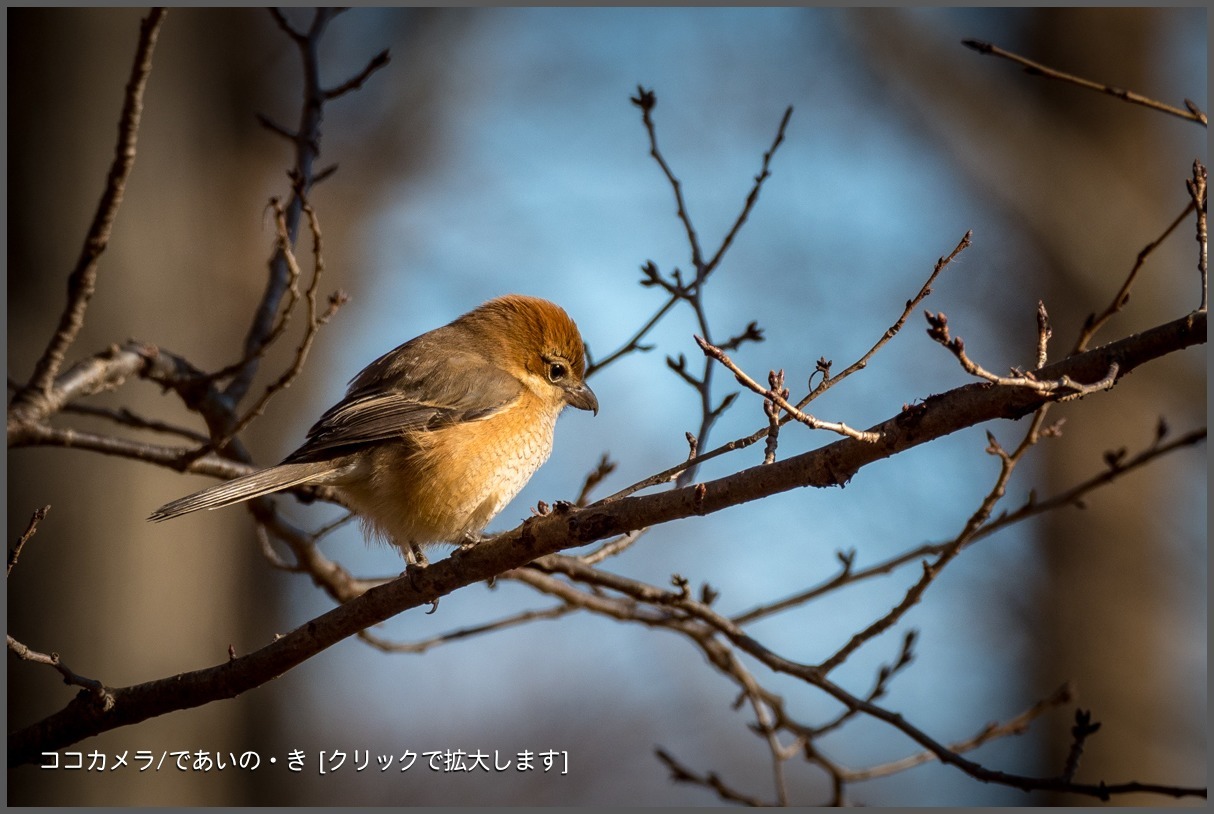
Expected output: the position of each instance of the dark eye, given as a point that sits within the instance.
(557, 371)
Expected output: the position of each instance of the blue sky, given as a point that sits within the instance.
(542, 184)
(498, 152)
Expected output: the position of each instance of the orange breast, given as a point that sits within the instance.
(452, 482)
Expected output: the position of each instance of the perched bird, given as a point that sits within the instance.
(434, 438)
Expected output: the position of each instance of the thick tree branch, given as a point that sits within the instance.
(568, 527)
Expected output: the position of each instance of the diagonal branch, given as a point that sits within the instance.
(306, 141)
(83, 280)
(1031, 508)
(828, 381)
(1094, 323)
(567, 526)
(1192, 114)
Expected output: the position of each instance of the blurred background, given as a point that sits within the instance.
(498, 152)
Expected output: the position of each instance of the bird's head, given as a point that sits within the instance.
(540, 345)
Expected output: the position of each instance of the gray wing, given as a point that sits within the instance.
(420, 386)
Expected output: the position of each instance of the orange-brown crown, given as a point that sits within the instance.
(535, 341)
(526, 329)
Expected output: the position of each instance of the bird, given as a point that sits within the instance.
(435, 437)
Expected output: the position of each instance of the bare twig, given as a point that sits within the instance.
(925, 290)
(828, 381)
(315, 320)
(612, 547)
(1084, 728)
(992, 731)
(1062, 389)
(271, 556)
(102, 371)
(274, 127)
(765, 725)
(1037, 69)
(1197, 191)
(128, 418)
(1033, 507)
(646, 100)
(772, 411)
(885, 675)
(306, 141)
(1044, 333)
(83, 280)
(780, 400)
(329, 528)
(692, 292)
(522, 618)
(814, 676)
(66, 437)
(751, 198)
(355, 82)
(975, 522)
(604, 468)
(99, 690)
(283, 255)
(335, 580)
(633, 344)
(1094, 323)
(31, 529)
(681, 774)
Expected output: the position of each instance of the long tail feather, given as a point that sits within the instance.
(260, 483)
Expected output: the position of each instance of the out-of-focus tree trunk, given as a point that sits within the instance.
(185, 269)
(95, 562)
(1109, 610)
(1111, 586)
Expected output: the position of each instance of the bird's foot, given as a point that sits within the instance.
(415, 556)
(415, 564)
(474, 538)
(471, 540)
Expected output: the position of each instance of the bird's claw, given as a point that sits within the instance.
(415, 556)
(471, 539)
(412, 571)
(416, 564)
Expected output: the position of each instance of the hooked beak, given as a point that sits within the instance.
(582, 397)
